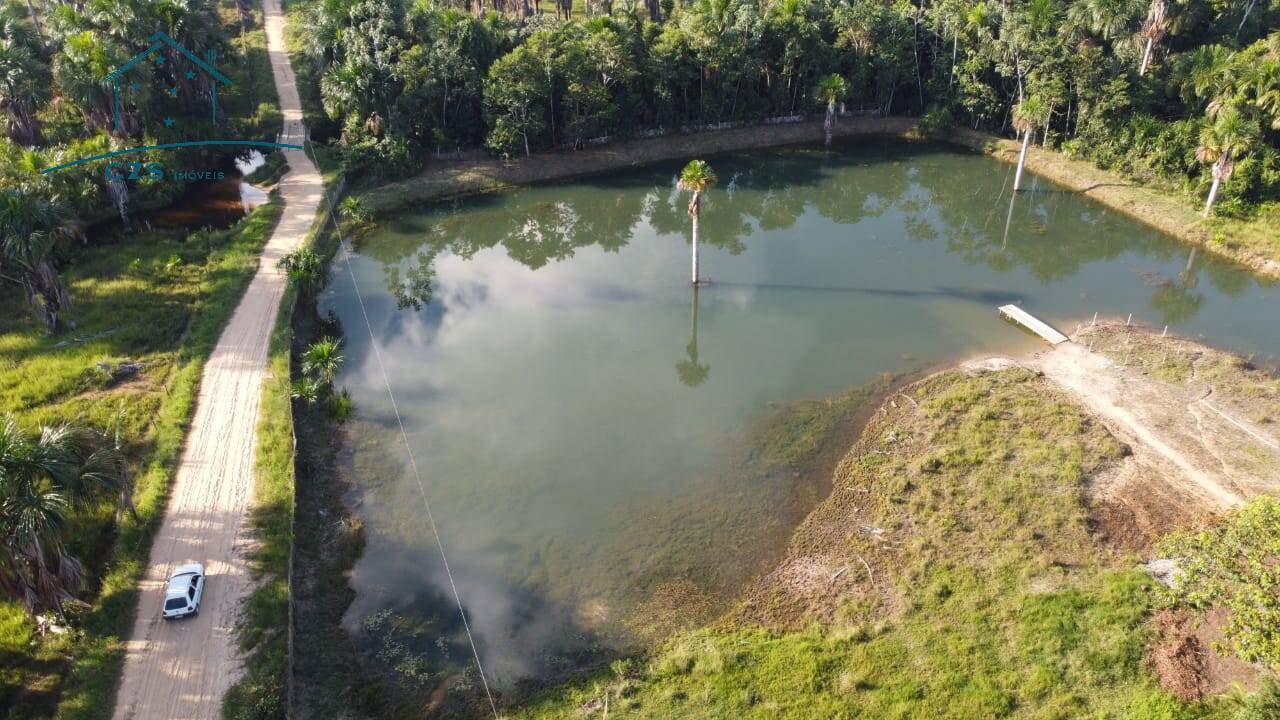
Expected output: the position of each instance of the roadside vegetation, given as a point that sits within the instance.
(54, 56)
(331, 678)
(328, 676)
(106, 338)
(1234, 564)
(146, 316)
(953, 572)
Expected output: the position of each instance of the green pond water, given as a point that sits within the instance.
(584, 425)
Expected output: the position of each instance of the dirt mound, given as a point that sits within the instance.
(1178, 660)
(1186, 660)
(1120, 526)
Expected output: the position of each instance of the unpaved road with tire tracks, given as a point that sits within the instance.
(1197, 447)
(179, 670)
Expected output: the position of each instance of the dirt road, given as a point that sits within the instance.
(177, 670)
(1187, 412)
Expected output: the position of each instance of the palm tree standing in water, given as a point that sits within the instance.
(690, 371)
(697, 177)
(830, 89)
(1026, 117)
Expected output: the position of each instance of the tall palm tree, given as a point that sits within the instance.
(30, 228)
(697, 177)
(86, 58)
(1026, 116)
(24, 78)
(21, 90)
(830, 89)
(42, 480)
(1264, 76)
(1153, 30)
(1106, 19)
(1222, 143)
(35, 20)
(1210, 73)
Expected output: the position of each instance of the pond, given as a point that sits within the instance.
(216, 204)
(586, 427)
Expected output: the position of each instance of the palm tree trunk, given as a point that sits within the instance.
(955, 46)
(1022, 161)
(696, 212)
(1245, 19)
(830, 122)
(35, 20)
(693, 327)
(1213, 193)
(1146, 56)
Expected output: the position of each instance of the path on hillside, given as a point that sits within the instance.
(180, 670)
(1191, 456)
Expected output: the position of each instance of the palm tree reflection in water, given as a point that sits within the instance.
(690, 371)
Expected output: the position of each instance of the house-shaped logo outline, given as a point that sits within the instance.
(158, 41)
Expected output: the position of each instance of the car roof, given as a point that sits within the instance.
(188, 569)
(179, 580)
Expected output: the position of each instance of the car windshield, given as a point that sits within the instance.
(175, 603)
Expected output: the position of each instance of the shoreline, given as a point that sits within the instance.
(844, 592)
(1224, 237)
(1150, 206)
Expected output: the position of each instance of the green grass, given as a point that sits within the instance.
(306, 71)
(157, 299)
(250, 102)
(272, 170)
(991, 598)
(263, 628)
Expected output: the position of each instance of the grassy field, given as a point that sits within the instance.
(158, 300)
(952, 573)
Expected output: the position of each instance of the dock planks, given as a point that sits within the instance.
(1033, 323)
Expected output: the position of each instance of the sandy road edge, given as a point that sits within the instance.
(182, 669)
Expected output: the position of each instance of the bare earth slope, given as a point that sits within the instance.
(182, 669)
(1199, 424)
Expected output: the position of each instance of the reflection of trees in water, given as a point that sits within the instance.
(411, 636)
(958, 199)
(409, 280)
(1176, 299)
(690, 371)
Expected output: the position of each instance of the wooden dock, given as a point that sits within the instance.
(1021, 317)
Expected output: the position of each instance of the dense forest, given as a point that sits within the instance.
(1182, 90)
(58, 106)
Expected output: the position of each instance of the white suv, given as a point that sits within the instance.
(182, 595)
